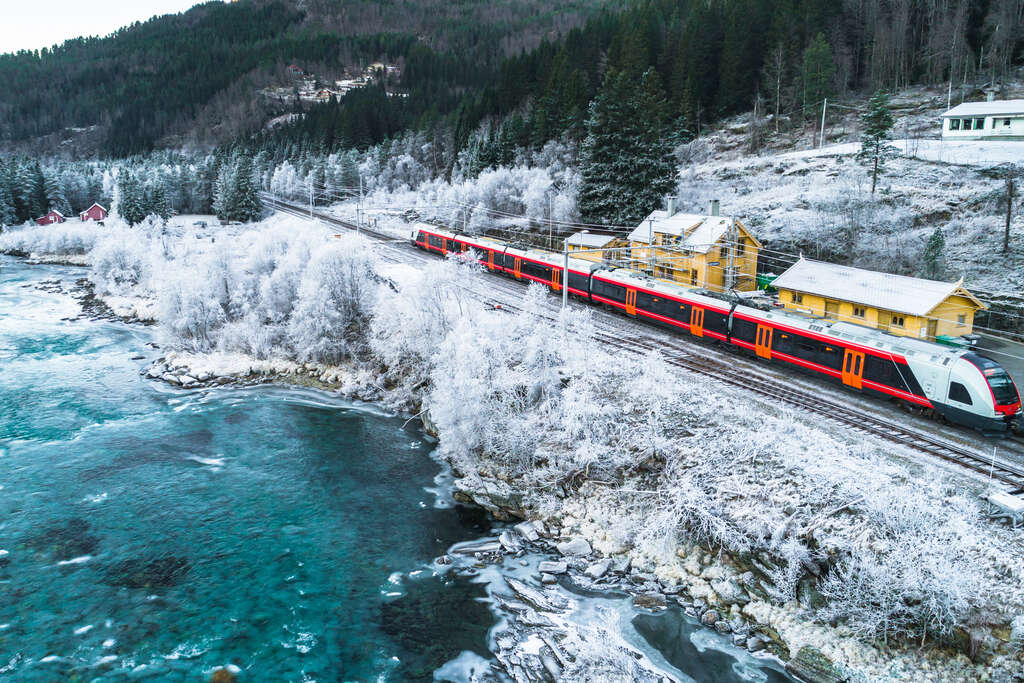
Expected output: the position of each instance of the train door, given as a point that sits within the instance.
(490, 259)
(853, 368)
(444, 245)
(517, 268)
(763, 345)
(631, 301)
(697, 321)
(556, 278)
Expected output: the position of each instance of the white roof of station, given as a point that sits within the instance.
(995, 108)
(699, 233)
(589, 239)
(910, 295)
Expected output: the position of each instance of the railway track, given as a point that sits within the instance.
(614, 334)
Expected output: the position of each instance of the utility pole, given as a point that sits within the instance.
(650, 245)
(1009, 210)
(824, 107)
(359, 207)
(730, 260)
(311, 197)
(551, 239)
(565, 276)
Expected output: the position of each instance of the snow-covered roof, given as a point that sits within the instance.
(56, 212)
(590, 240)
(95, 204)
(910, 295)
(698, 233)
(995, 108)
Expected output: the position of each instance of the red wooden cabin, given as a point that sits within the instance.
(93, 213)
(54, 216)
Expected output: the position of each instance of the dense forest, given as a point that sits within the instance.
(150, 83)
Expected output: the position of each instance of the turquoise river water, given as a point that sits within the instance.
(147, 532)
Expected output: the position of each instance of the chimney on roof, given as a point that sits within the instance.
(713, 207)
(990, 95)
(670, 205)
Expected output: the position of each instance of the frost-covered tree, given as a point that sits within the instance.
(132, 205)
(8, 210)
(334, 304)
(158, 204)
(246, 205)
(55, 195)
(933, 262)
(875, 148)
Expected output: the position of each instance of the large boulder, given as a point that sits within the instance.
(598, 569)
(575, 546)
(812, 666)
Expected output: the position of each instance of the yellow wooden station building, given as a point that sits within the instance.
(710, 251)
(897, 304)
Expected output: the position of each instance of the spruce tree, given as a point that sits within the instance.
(223, 190)
(247, 206)
(875, 148)
(132, 202)
(626, 161)
(8, 211)
(933, 264)
(55, 196)
(158, 204)
(818, 74)
(37, 202)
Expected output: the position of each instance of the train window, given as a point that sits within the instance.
(958, 393)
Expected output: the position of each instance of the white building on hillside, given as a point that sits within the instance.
(996, 120)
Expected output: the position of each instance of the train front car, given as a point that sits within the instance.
(981, 394)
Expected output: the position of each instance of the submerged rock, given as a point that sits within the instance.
(649, 600)
(161, 572)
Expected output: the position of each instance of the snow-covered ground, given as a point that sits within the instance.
(982, 153)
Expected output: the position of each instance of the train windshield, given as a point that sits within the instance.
(1002, 386)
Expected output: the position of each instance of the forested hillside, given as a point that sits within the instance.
(160, 78)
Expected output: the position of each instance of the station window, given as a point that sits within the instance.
(798, 297)
(741, 247)
(858, 311)
(961, 320)
(897, 321)
(979, 124)
(954, 124)
(966, 124)
(1006, 123)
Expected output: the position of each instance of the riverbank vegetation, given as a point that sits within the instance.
(809, 527)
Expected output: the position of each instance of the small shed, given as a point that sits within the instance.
(93, 213)
(993, 120)
(54, 216)
(897, 304)
(711, 251)
(586, 241)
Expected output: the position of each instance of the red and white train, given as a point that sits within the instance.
(962, 386)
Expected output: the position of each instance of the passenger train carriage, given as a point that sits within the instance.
(962, 386)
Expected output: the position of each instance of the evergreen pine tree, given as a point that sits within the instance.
(818, 74)
(55, 196)
(132, 205)
(223, 190)
(933, 264)
(875, 148)
(8, 211)
(38, 205)
(626, 163)
(159, 204)
(247, 206)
